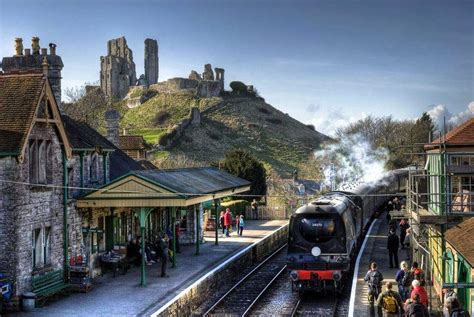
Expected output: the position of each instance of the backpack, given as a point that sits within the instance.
(374, 282)
(419, 275)
(390, 303)
(406, 279)
(416, 310)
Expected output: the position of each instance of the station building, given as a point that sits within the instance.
(66, 190)
(440, 205)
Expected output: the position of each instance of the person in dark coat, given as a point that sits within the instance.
(392, 246)
(164, 247)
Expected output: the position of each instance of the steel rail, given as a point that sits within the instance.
(249, 308)
(243, 280)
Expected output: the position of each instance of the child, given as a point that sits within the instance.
(237, 223)
(241, 225)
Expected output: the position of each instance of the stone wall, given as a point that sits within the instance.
(200, 88)
(29, 207)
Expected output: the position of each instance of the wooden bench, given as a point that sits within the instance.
(49, 284)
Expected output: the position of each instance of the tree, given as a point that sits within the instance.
(242, 164)
(238, 87)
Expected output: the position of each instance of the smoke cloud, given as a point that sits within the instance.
(352, 160)
(439, 112)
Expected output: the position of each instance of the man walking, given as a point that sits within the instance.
(392, 246)
(254, 206)
(227, 222)
(374, 280)
(390, 302)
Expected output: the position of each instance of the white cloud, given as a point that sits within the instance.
(440, 112)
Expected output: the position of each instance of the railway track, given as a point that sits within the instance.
(309, 305)
(242, 297)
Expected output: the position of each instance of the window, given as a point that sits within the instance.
(462, 188)
(40, 162)
(94, 167)
(41, 247)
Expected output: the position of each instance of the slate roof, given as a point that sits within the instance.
(196, 180)
(462, 135)
(460, 237)
(19, 96)
(82, 136)
(132, 142)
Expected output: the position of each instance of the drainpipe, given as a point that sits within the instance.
(104, 166)
(198, 216)
(65, 229)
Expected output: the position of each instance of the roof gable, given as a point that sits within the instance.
(460, 238)
(20, 98)
(462, 135)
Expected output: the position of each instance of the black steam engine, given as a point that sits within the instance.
(325, 235)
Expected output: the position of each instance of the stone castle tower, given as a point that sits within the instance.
(117, 69)
(32, 59)
(151, 61)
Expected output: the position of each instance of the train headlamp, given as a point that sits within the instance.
(294, 275)
(315, 251)
(336, 275)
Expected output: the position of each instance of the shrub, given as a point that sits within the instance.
(238, 87)
(167, 137)
(274, 120)
(161, 117)
(264, 110)
(237, 207)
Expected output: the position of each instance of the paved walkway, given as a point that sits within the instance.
(123, 296)
(375, 250)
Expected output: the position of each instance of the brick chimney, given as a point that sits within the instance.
(112, 122)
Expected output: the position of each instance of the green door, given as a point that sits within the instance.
(109, 233)
(464, 277)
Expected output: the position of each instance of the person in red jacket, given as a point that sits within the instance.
(227, 221)
(420, 290)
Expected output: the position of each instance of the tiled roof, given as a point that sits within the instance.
(82, 136)
(19, 97)
(460, 238)
(462, 135)
(132, 142)
(195, 180)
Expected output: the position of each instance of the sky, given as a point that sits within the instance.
(322, 62)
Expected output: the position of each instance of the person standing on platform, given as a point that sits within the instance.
(403, 232)
(374, 280)
(221, 222)
(449, 294)
(390, 302)
(241, 225)
(413, 307)
(392, 246)
(227, 221)
(389, 209)
(254, 207)
(418, 273)
(455, 309)
(237, 217)
(420, 290)
(164, 250)
(404, 279)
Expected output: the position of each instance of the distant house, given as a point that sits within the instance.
(302, 187)
(134, 146)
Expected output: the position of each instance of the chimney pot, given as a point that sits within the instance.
(44, 51)
(52, 49)
(18, 46)
(27, 51)
(35, 47)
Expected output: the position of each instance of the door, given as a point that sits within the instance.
(109, 233)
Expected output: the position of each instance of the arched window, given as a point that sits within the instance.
(33, 161)
(49, 162)
(42, 162)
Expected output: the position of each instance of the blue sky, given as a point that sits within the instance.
(316, 60)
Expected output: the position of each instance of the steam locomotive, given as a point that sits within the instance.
(325, 235)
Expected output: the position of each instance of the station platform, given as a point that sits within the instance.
(375, 250)
(123, 296)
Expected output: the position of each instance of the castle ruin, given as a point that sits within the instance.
(36, 59)
(151, 61)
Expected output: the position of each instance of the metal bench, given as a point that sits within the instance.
(49, 284)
